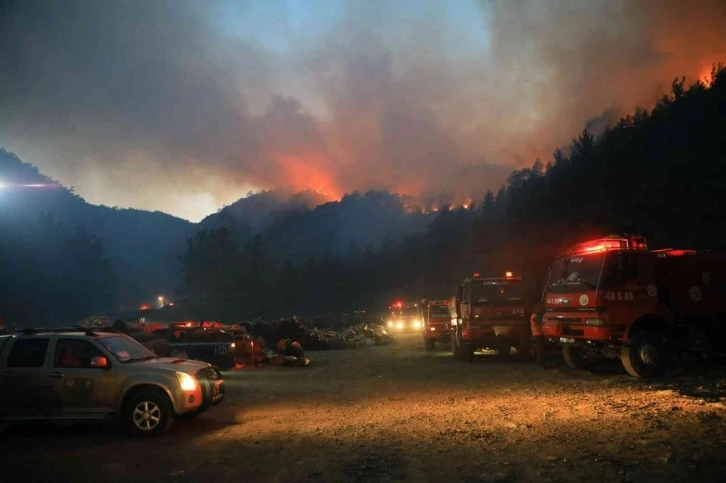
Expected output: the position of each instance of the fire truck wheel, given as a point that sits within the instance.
(646, 356)
(430, 343)
(505, 350)
(467, 353)
(578, 358)
(455, 349)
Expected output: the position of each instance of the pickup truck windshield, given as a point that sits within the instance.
(126, 349)
(575, 273)
(494, 292)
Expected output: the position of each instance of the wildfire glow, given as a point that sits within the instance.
(308, 172)
(705, 75)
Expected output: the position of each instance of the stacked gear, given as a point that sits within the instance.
(289, 353)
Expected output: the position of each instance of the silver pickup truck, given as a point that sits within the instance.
(76, 373)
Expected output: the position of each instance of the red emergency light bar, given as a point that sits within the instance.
(476, 275)
(610, 243)
(670, 252)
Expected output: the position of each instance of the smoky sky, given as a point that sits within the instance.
(182, 106)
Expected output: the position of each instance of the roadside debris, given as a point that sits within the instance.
(279, 342)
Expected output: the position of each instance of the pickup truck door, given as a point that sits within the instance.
(25, 389)
(82, 389)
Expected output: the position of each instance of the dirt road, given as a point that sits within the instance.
(398, 413)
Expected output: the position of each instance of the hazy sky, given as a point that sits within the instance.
(185, 105)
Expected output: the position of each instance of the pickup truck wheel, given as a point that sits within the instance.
(646, 355)
(148, 413)
(430, 344)
(578, 358)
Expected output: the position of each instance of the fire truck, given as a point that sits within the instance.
(615, 298)
(436, 323)
(405, 317)
(490, 313)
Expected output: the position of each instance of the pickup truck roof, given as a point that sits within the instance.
(79, 331)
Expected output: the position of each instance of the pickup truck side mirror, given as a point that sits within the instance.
(101, 362)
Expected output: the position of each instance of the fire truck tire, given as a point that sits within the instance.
(576, 359)
(505, 350)
(430, 344)
(646, 355)
(467, 353)
(455, 349)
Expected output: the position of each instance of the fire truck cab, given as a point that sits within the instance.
(614, 298)
(490, 313)
(405, 317)
(437, 324)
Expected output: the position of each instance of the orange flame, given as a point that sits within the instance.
(307, 173)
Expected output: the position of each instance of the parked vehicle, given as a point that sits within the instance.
(437, 324)
(190, 340)
(491, 313)
(78, 374)
(615, 298)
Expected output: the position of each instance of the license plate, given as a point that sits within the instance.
(564, 340)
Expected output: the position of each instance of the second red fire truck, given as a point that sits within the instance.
(437, 324)
(615, 298)
(491, 313)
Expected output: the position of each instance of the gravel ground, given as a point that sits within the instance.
(398, 413)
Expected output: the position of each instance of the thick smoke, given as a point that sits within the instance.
(168, 105)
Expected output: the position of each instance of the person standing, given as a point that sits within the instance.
(535, 322)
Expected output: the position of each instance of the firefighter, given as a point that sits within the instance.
(535, 322)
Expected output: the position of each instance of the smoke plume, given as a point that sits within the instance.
(183, 106)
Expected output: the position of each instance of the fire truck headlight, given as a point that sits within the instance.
(433, 328)
(595, 322)
(416, 324)
(390, 323)
(399, 325)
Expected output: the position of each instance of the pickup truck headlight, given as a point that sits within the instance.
(187, 382)
(595, 322)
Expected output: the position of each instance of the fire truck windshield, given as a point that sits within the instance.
(496, 292)
(439, 311)
(573, 273)
(409, 310)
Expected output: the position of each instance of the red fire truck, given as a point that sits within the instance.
(437, 323)
(405, 317)
(614, 298)
(491, 313)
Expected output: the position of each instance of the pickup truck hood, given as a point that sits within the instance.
(180, 365)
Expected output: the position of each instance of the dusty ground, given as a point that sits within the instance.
(398, 413)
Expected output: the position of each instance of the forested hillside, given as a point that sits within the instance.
(46, 230)
(658, 172)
